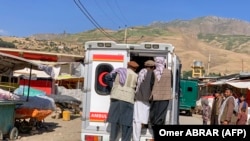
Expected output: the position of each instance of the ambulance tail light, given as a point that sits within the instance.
(149, 140)
(93, 138)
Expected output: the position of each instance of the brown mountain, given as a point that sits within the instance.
(211, 25)
(223, 41)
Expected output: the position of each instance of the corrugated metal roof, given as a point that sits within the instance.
(28, 53)
(14, 62)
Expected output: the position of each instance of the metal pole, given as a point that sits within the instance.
(24, 85)
(242, 65)
(125, 35)
(208, 64)
(29, 84)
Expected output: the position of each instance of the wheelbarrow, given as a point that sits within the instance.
(28, 118)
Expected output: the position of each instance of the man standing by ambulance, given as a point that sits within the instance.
(161, 92)
(143, 91)
(122, 102)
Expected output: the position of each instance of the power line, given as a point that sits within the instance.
(92, 20)
(118, 6)
(114, 12)
(103, 11)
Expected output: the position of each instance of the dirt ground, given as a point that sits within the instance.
(58, 130)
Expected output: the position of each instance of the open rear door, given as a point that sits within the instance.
(96, 99)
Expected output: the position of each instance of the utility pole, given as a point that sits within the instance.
(125, 34)
(208, 64)
(242, 65)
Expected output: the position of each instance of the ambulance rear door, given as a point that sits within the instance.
(100, 59)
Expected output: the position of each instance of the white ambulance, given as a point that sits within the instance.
(102, 57)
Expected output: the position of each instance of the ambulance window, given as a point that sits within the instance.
(100, 86)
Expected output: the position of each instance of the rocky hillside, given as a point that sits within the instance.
(211, 25)
(225, 42)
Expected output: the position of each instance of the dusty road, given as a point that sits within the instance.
(191, 120)
(59, 130)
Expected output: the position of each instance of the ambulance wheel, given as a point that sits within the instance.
(13, 133)
(1, 135)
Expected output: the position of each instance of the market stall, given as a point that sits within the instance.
(240, 83)
(8, 64)
(41, 80)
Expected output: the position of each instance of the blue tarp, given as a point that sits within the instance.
(23, 90)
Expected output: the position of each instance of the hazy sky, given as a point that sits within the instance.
(23, 18)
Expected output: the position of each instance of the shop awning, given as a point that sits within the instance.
(221, 82)
(26, 71)
(240, 84)
(9, 63)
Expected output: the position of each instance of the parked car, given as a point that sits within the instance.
(188, 95)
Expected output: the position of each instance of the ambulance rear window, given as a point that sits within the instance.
(100, 86)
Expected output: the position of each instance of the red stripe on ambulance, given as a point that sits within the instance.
(106, 57)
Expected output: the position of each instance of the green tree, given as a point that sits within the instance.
(214, 74)
(186, 74)
(7, 44)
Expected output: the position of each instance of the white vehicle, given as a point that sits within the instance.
(102, 57)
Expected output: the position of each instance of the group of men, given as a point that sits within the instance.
(228, 109)
(138, 99)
